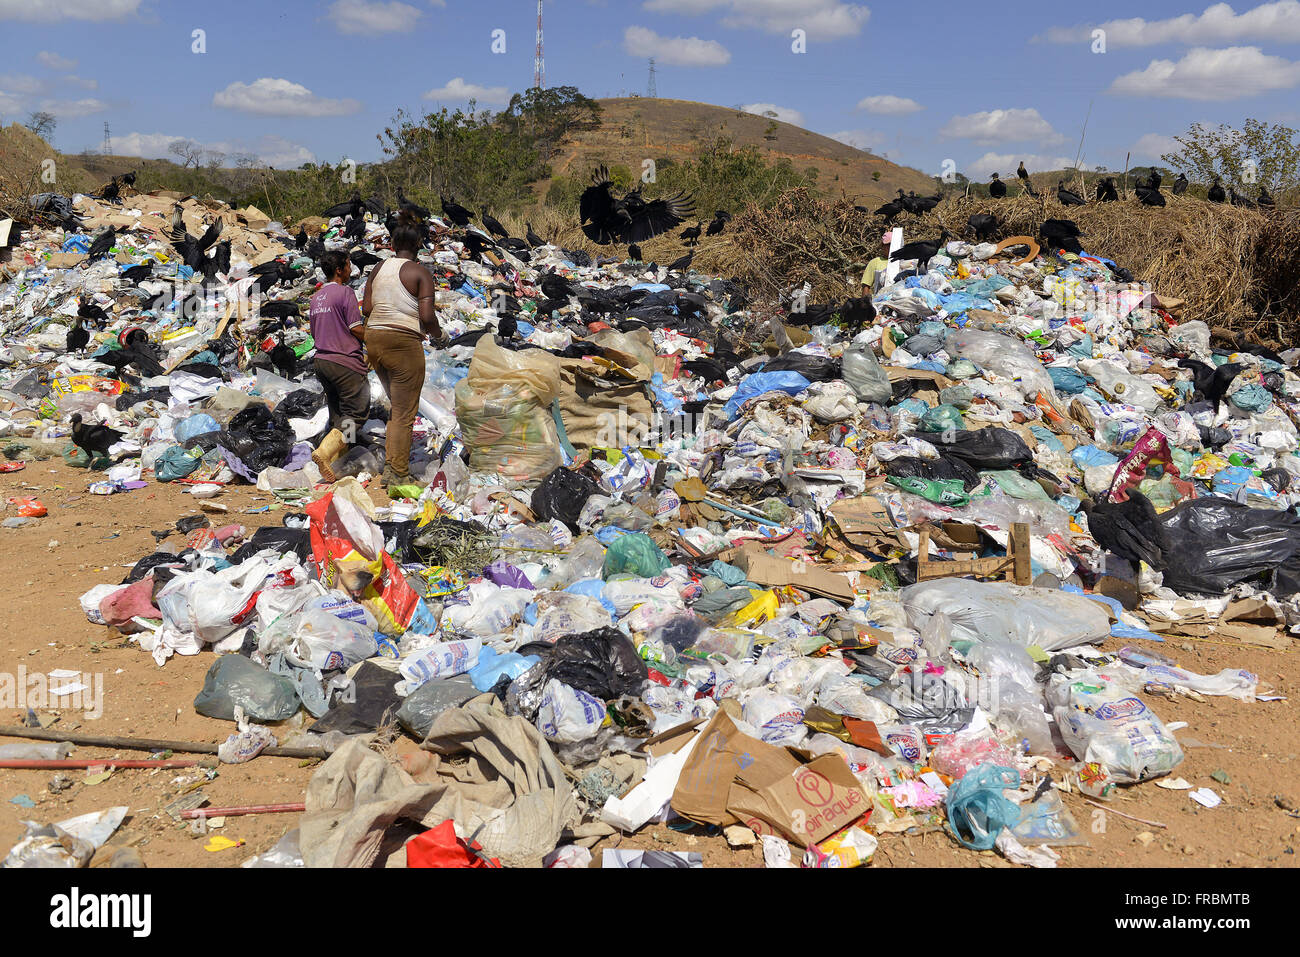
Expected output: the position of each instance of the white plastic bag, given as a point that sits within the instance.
(567, 715)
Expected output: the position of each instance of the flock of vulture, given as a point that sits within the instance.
(1060, 234)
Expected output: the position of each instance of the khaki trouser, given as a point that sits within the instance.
(398, 358)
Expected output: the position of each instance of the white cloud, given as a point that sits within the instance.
(458, 91)
(275, 96)
(373, 18)
(74, 109)
(20, 83)
(1204, 74)
(54, 61)
(674, 51)
(1006, 163)
(49, 11)
(869, 140)
(822, 19)
(84, 83)
(1270, 22)
(9, 103)
(888, 105)
(784, 114)
(993, 126)
(272, 150)
(1152, 146)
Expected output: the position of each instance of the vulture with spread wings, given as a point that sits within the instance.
(632, 219)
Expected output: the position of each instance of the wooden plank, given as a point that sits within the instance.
(1022, 573)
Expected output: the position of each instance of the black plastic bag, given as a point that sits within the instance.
(944, 468)
(301, 404)
(813, 368)
(990, 448)
(373, 700)
(562, 494)
(604, 663)
(258, 437)
(1216, 543)
(147, 564)
(283, 540)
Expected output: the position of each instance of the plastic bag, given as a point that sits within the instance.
(1104, 723)
(1004, 355)
(1215, 543)
(752, 386)
(1023, 615)
(234, 681)
(561, 495)
(942, 418)
(431, 699)
(175, 463)
(259, 438)
(865, 376)
(567, 715)
(989, 448)
(320, 640)
(831, 402)
(778, 717)
(977, 810)
(634, 554)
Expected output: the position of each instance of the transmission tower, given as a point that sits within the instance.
(108, 141)
(652, 88)
(539, 62)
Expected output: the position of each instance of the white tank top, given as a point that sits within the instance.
(393, 307)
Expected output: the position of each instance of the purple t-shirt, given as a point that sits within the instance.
(333, 314)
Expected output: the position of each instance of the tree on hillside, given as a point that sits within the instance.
(187, 151)
(1258, 154)
(42, 124)
(548, 116)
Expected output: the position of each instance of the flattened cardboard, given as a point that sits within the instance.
(722, 755)
(865, 524)
(805, 805)
(769, 570)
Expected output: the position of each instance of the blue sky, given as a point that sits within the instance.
(982, 85)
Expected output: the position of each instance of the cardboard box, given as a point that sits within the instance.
(806, 805)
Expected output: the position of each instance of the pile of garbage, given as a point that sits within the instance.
(806, 575)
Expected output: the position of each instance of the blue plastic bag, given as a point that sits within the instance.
(752, 386)
(1068, 381)
(199, 424)
(977, 811)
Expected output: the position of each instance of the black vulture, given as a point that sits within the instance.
(683, 264)
(720, 219)
(1106, 191)
(890, 210)
(128, 179)
(411, 206)
(1180, 184)
(533, 239)
(78, 337)
(1061, 234)
(102, 244)
(1068, 197)
(284, 359)
(632, 219)
(1150, 197)
(478, 243)
(110, 193)
(137, 274)
(1130, 529)
(997, 188)
(1238, 200)
(1216, 192)
(362, 259)
(858, 313)
(1265, 199)
(94, 438)
(456, 213)
(353, 207)
(494, 225)
(93, 312)
(922, 251)
(355, 229)
(692, 234)
(983, 225)
(1022, 172)
(634, 253)
(300, 241)
(923, 204)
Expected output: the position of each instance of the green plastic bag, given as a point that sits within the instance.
(960, 396)
(1017, 486)
(942, 418)
(939, 491)
(175, 463)
(634, 554)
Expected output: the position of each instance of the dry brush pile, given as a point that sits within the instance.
(1233, 267)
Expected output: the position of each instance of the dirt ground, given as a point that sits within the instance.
(88, 540)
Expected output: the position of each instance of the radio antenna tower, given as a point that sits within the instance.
(652, 89)
(539, 62)
(108, 142)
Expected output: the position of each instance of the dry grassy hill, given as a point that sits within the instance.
(636, 128)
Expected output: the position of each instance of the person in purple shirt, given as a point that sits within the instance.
(339, 332)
